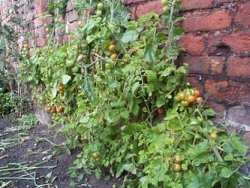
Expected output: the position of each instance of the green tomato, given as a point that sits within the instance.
(108, 65)
(75, 69)
(100, 6)
(69, 63)
(98, 12)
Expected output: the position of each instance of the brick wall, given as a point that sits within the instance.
(216, 43)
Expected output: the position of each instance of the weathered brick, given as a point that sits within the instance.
(193, 45)
(204, 64)
(196, 4)
(40, 6)
(194, 81)
(239, 67)
(218, 108)
(41, 42)
(228, 91)
(220, 19)
(71, 16)
(243, 15)
(150, 6)
(239, 42)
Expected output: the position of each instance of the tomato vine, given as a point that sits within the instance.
(124, 102)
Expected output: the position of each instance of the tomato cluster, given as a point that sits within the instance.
(177, 159)
(189, 97)
(55, 109)
(99, 9)
(113, 50)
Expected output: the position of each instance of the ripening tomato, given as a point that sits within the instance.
(196, 93)
(191, 99)
(185, 103)
(177, 167)
(214, 135)
(165, 8)
(199, 100)
(177, 158)
(114, 56)
(112, 48)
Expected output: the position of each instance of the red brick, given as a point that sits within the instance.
(193, 45)
(194, 81)
(239, 67)
(196, 4)
(42, 21)
(41, 42)
(228, 91)
(243, 15)
(207, 22)
(70, 5)
(40, 6)
(71, 27)
(150, 6)
(71, 16)
(204, 64)
(239, 42)
(218, 108)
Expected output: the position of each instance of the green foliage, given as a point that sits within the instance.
(9, 102)
(27, 121)
(128, 107)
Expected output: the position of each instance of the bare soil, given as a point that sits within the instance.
(43, 149)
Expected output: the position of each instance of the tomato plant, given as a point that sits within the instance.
(125, 103)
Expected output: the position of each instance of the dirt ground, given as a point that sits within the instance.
(43, 159)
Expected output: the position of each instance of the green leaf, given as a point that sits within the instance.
(65, 79)
(149, 54)
(130, 36)
(54, 90)
(226, 172)
(160, 101)
(209, 113)
(238, 145)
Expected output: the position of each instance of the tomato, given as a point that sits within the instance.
(191, 99)
(75, 69)
(53, 109)
(165, 8)
(199, 100)
(60, 109)
(69, 63)
(144, 109)
(108, 65)
(182, 95)
(196, 93)
(96, 156)
(48, 109)
(185, 103)
(112, 48)
(177, 158)
(98, 12)
(114, 56)
(160, 111)
(177, 167)
(100, 6)
(213, 135)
